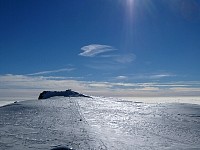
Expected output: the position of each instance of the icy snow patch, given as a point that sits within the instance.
(99, 123)
(128, 125)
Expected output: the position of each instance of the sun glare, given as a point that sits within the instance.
(130, 5)
(130, 1)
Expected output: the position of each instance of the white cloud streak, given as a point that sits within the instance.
(149, 76)
(158, 76)
(26, 86)
(121, 78)
(95, 49)
(51, 71)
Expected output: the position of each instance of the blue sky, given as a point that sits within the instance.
(100, 47)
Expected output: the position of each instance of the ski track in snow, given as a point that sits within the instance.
(99, 124)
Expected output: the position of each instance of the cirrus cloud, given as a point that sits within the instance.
(51, 71)
(95, 49)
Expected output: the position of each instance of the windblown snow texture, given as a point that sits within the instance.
(81, 123)
(46, 124)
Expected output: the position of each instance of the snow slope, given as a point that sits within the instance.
(99, 123)
(45, 124)
(135, 126)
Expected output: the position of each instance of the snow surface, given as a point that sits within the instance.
(98, 123)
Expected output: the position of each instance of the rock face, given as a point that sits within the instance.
(67, 93)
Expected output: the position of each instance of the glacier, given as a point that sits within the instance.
(98, 123)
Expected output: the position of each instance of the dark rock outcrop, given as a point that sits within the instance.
(67, 93)
(62, 148)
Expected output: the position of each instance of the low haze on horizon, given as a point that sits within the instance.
(103, 48)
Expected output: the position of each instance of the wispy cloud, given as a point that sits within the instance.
(95, 49)
(51, 71)
(150, 76)
(142, 77)
(121, 78)
(121, 58)
(162, 75)
(24, 86)
(114, 60)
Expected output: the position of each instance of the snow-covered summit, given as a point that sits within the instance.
(67, 93)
